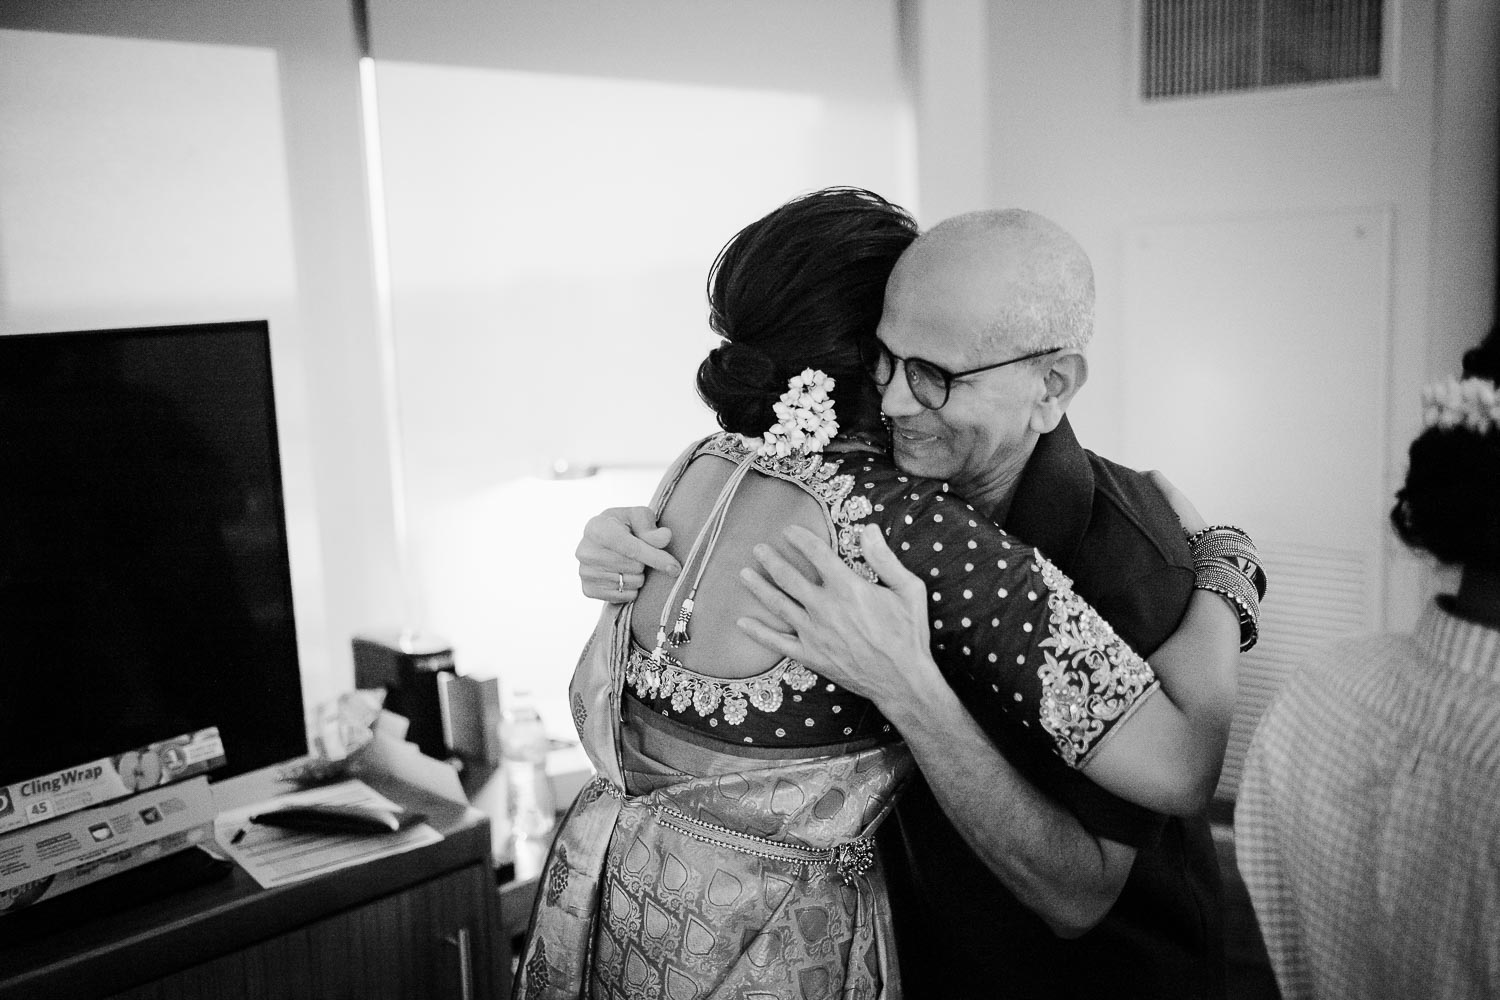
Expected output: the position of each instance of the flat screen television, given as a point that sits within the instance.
(145, 587)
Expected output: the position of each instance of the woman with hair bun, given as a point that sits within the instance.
(1368, 818)
(724, 848)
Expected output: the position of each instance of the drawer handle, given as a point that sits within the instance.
(460, 940)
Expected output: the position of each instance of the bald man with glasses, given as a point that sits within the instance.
(1011, 875)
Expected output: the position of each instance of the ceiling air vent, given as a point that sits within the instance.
(1191, 47)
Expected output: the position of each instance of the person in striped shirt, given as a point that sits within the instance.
(1368, 820)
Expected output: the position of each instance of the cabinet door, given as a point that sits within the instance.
(431, 941)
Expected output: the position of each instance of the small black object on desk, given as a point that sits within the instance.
(331, 818)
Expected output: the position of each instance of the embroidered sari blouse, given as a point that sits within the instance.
(1004, 621)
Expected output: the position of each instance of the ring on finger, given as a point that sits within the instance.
(620, 587)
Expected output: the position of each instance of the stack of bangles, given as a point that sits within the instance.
(1226, 562)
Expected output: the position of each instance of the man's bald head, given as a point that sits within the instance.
(1035, 282)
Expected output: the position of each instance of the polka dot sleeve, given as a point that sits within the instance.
(1006, 622)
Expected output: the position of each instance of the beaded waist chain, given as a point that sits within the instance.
(847, 861)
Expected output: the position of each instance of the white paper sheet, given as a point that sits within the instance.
(274, 856)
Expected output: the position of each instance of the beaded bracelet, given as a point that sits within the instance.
(1234, 546)
(1231, 583)
(1193, 538)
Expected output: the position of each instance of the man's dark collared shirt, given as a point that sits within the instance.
(959, 931)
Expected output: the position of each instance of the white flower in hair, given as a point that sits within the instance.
(805, 420)
(1473, 404)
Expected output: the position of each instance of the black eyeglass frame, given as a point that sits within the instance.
(876, 352)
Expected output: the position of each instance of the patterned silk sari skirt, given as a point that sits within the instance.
(757, 879)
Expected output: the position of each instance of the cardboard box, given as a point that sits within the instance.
(35, 852)
(52, 796)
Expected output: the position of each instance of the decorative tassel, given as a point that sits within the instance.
(659, 653)
(679, 636)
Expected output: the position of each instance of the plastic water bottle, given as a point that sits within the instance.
(529, 801)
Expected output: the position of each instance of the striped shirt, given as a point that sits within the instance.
(1368, 821)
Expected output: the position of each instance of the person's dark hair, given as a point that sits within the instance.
(1447, 506)
(801, 288)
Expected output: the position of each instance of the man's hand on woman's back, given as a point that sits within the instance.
(871, 639)
(617, 546)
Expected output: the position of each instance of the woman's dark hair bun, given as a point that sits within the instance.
(742, 384)
(801, 287)
(1447, 504)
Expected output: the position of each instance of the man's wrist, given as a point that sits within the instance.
(923, 697)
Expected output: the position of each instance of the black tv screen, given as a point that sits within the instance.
(145, 588)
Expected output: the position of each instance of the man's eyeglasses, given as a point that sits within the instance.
(929, 384)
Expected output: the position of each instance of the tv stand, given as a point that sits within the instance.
(418, 924)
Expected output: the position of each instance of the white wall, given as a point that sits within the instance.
(835, 47)
(947, 71)
(1466, 166)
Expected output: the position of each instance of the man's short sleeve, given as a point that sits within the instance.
(1009, 620)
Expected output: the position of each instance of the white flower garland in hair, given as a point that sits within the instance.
(805, 420)
(1472, 403)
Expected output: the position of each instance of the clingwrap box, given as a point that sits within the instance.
(51, 796)
(50, 886)
(35, 852)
